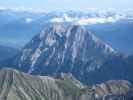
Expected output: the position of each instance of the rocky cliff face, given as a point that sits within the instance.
(64, 48)
(15, 85)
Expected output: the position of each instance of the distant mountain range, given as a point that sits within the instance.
(15, 85)
(7, 53)
(114, 27)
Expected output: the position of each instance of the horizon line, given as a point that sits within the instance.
(33, 9)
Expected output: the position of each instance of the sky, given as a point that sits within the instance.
(49, 5)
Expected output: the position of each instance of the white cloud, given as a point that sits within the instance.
(96, 21)
(57, 20)
(2, 8)
(90, 20)
(67, 18)
(28, 20)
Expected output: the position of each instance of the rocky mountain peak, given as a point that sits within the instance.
(55, 28)
(64, 48)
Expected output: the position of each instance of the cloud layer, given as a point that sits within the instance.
(89, 20)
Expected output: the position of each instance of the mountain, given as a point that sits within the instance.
(15, 85)
(73, 49)
(64, 48)
(7, 52)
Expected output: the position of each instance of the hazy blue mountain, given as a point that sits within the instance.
(17, 27)
(7, 52)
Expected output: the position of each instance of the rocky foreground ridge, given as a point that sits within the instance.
(15, 85)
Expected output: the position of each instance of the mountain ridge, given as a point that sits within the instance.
(15, 85)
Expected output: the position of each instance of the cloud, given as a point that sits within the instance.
(89, 20)
(95, 21)
(57, 20)
(101, 20)
(65, 18)
(28, 20)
